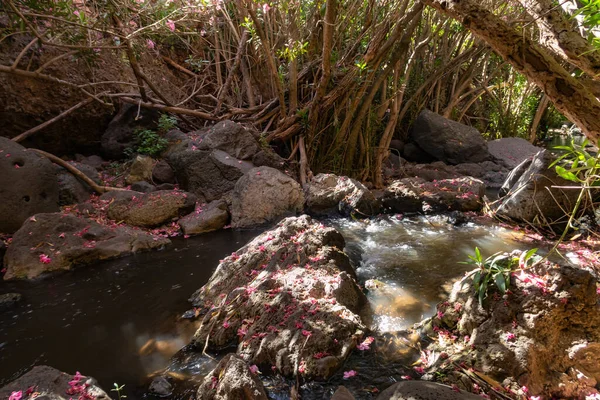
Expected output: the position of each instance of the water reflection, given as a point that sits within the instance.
(119, 321)
(409, 264)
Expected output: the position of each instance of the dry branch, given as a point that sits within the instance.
(77, 173)
(170, 109)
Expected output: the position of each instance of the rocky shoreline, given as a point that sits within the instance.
(289, 300)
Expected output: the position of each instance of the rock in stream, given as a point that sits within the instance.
(288, 300)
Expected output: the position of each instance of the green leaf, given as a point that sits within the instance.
(501, 282)
(530, 253)
(478, 254)
(482, 291)
(563, 173)
(476, 279)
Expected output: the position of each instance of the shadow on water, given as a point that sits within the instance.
(117, 321)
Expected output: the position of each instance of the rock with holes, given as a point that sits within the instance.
(531, 192)
(232, 379)
(63, 241)
(206, 218)
(263, 195)
(209, 174)
(151, 209)
(232, 138)
(288, 300)
(448, 141)
(52, 384)
(544, 335)
(28, 185)
(328, 193)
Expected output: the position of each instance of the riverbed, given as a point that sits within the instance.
(120, 321)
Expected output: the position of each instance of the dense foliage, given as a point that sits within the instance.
(332, 80)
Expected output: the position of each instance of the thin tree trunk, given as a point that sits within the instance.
(538, 117)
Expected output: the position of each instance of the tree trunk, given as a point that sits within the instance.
(569, 95)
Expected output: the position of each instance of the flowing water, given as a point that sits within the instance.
(409, 264)
(119, 321)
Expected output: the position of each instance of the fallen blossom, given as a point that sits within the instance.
(254, 369)
(214, 381)
(306, 333)
(510, 336)
(171, 25)
(302, 367)
(16, 395)
(226, 324)
(150, 44)
(455, 388)
(365, 344)
(420, 370)
(44, 259)
(349, 374)
(406, 377)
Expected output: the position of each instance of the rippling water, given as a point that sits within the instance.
(414, 261)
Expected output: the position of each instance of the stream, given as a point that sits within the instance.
(120, 321)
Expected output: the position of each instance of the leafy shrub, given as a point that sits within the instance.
(496, 270)
(150, 142)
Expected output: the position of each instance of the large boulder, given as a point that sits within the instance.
(263, 195)
(55, 241)
(52, 384)
(422, 390)
(231, 379)
(208, 174)
(232, 138)
(288, 300)
(120, 133)
(415, 195)
(328, 193)
(511, 152)
(544, 334)
(151, 209)
(28, 185)
(206, 218)
(447, 140)
(530, 193)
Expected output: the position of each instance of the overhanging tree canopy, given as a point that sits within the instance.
(573, 94)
